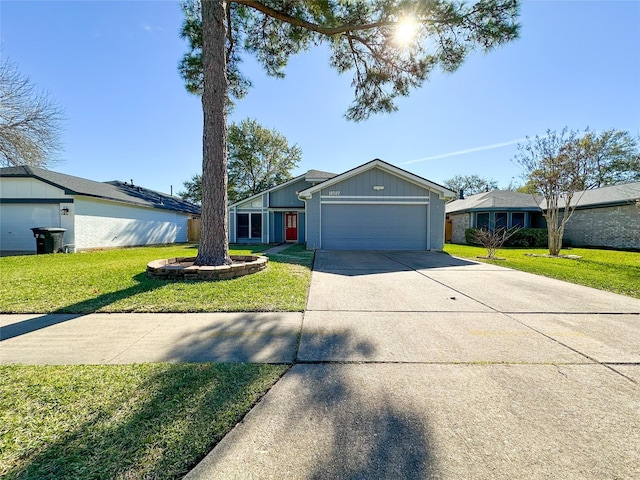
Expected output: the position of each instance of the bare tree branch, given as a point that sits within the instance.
(30, 122)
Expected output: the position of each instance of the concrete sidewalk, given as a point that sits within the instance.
(419, 365)
(103, 338)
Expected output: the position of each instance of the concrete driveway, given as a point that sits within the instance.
(420, 365)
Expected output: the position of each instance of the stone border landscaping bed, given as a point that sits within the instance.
(182, 268)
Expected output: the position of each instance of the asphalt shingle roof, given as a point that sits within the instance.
(115, 190)
(492, 200)
(497, 199)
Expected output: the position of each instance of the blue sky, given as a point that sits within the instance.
(112, 67)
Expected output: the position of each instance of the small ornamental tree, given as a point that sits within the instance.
(560, 165)
(493, 239)
(554, 166)
(391, 46)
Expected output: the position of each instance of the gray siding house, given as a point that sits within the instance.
(376, 206)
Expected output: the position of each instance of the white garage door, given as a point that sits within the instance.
(374, 227)
(16, 221)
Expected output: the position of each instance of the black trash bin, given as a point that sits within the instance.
(48, 239)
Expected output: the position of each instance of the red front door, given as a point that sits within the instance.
(291, 227)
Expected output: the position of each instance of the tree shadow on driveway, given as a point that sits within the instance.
(328, 420)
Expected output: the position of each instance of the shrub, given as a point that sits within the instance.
(529, 237)
(524, 237)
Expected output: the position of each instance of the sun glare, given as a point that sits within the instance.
(406, 31)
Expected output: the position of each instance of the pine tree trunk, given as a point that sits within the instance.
(214, 247)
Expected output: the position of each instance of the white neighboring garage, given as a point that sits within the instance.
(95, 214)
(376, 206)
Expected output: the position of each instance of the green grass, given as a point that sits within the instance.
(115, 281)
(121, 421)
(611, 270)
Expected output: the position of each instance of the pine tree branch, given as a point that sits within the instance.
(298, 22)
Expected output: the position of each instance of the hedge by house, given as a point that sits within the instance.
(525, 237)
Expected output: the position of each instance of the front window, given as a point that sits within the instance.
(517, 220)
(500, 220)
(482, 221)
(249, 225)
(243, 225)
(256, 225)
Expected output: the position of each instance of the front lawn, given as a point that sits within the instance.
(121, 421)
(115, 281)
(611, 270)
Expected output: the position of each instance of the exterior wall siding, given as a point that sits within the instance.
(312, 222)
(301, 222)
(613, 227)
(460, 223)
(101, 224)
(277, 227)
(362, 185)
(286, 197)
(29, 188)
(437, 221)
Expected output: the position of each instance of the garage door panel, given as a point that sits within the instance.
(374, 227)
(17, 220)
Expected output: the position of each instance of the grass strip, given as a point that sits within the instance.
(611, 270)
(121, 421)
(115, 281)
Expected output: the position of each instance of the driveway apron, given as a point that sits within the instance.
(421, 365)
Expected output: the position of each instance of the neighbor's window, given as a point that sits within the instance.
(243, 225)
(256, 225)
(482, 220)
(517, 220)
(500, 220)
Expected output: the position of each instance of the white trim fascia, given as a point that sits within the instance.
(306, 217)
(253, 197)
(320, 225)
(408, 176)
(363, 202)
(375, 197)
(429, 226)
(284, 209)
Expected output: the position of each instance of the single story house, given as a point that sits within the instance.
(94, 214)
(494, 209)
(376, 206)
(604, 217)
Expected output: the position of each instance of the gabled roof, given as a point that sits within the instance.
(318, 176)
(494, 199)
(309, 176)
(116, 191)
(377, 163)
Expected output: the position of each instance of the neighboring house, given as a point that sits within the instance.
(494, 209)
(95, 214)
(375, 206)
(604, 217)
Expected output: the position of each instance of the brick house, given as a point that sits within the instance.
(604, 217)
